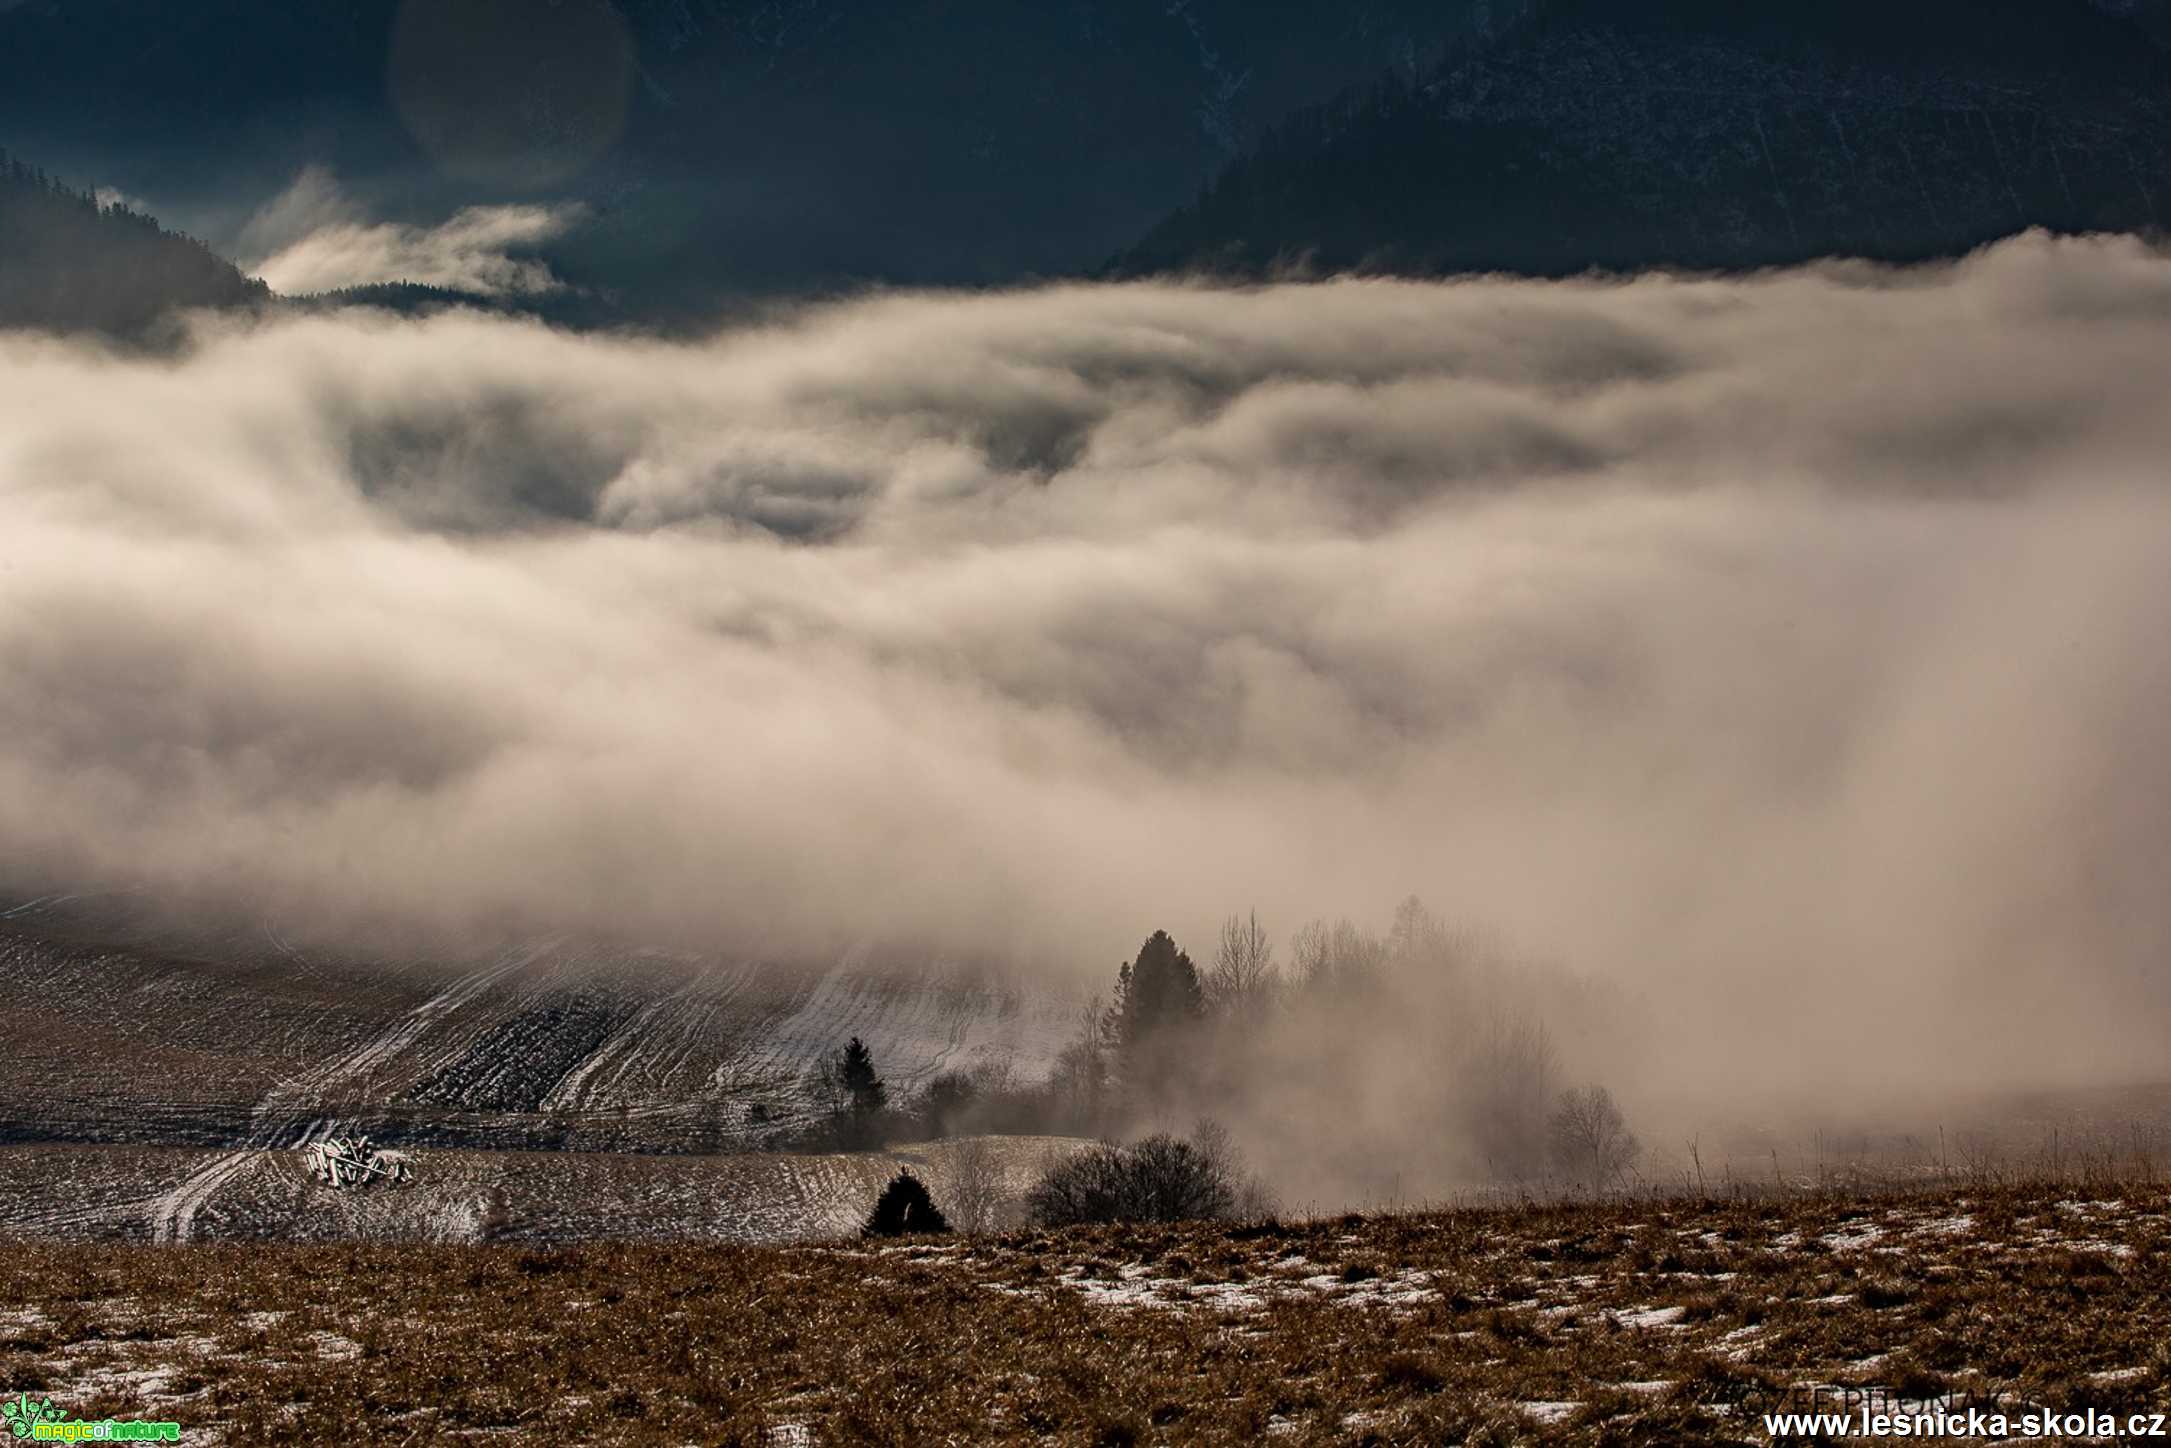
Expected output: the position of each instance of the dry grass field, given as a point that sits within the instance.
(1620, 1322)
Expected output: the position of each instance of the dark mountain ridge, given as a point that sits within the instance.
(765, 144)
(1699, 134)
(68, 262)
(809, 145)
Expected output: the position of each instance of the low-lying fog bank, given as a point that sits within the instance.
(1781, 657)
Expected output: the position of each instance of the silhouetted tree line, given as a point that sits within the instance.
(1401, 1061)
(567, 307)
(68, 263)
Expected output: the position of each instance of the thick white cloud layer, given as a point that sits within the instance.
(1788, 650)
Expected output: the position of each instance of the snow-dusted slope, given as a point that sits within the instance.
(157, 1085)
(244, 1040)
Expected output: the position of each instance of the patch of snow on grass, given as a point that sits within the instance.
(1958, 1226)
(1132, 1289)
(1740, 1343)
(138, 1384)
(332, 1345)
(1403, 1289)
(1228, 1296)
(1853, 1238)
(1134, 1286)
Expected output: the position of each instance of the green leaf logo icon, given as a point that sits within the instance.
(22, 1415)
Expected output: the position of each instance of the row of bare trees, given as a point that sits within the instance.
(1416, 1015)
(1359, 1065)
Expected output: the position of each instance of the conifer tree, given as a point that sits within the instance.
(905, 1207)
(856, 1066)
(1157, 991)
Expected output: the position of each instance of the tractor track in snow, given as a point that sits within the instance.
(633, 1069)
(283, 1120)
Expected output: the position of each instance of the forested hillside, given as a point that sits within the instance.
(68, 263)
(1697, 134)
(740, 145)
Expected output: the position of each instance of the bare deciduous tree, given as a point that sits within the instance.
(975, 1185)
(1253, 1201)
(826, 1084)
(1589, 1139)
(1418, 938)
(1308, 958)
(1507, 1085)
(1337, 956)
(1243, 976)
(1081, 1080)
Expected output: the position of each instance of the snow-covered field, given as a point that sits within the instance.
(157, 1085)
(131, 1193)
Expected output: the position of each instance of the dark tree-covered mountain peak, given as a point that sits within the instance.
(1624, 134)
(69, 262)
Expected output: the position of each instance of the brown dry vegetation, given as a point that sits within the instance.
(1425, 1328)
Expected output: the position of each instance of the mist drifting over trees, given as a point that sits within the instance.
(1752, 651)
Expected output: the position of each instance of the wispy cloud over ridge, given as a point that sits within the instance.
(314, 238)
